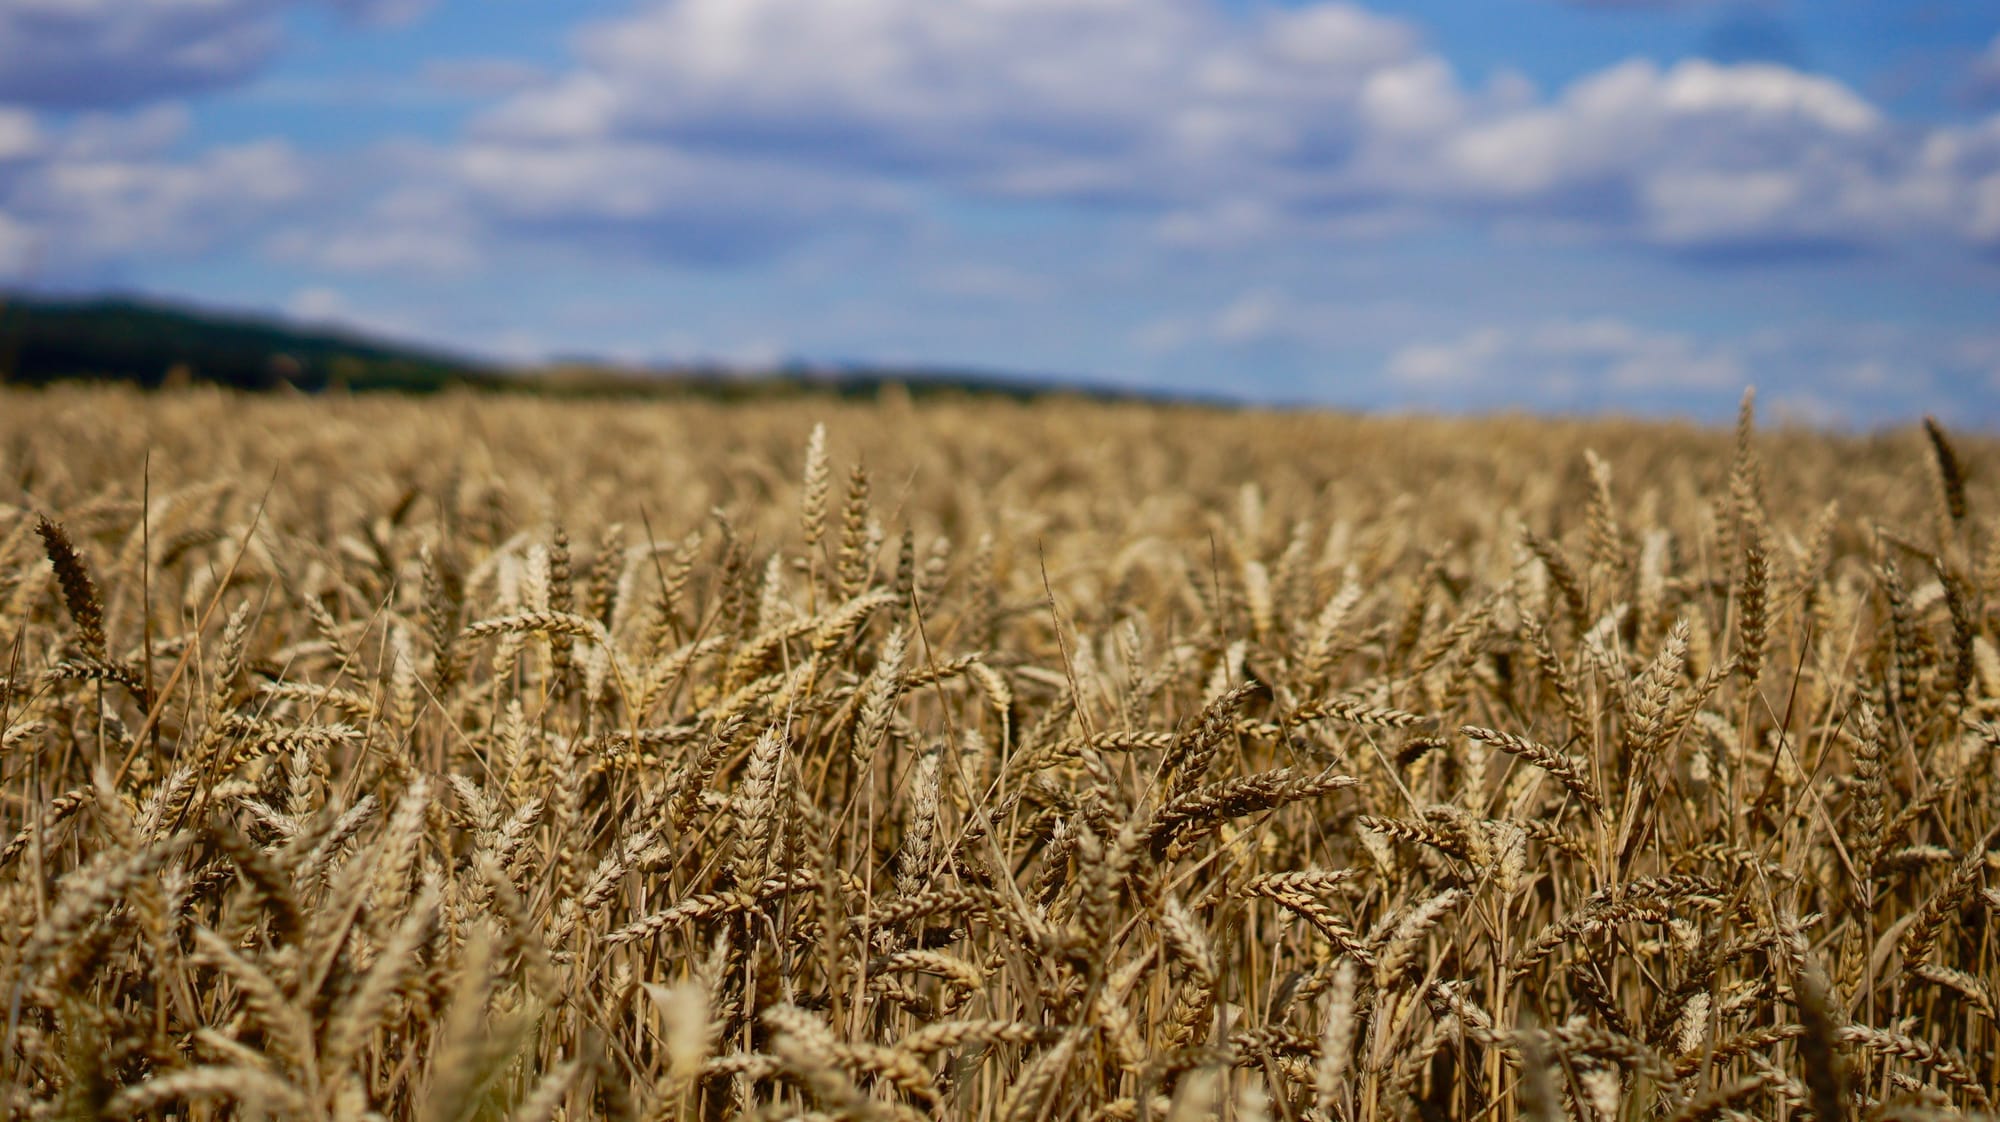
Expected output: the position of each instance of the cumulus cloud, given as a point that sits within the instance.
(724, 130)
(725, 118)
(1318, 120)
(718, 131)
(1027, 98)
(1962, 167)
(1696, 154)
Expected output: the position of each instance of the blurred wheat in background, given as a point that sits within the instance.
(512, 759)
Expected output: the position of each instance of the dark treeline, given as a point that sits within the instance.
(45, 340)
(129, 340)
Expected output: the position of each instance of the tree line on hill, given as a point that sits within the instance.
(46, 340)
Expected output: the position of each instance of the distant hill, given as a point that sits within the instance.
(153, 343)
(45, 340)
(586, 378)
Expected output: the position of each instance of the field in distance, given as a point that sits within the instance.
(477, 757)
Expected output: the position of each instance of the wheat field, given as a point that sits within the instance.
(493, 758)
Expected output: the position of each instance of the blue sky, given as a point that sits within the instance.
(1533, 204)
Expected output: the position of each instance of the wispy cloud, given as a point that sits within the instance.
(97, 54)
(112, 186)
(1981, 85)
(1823, 372)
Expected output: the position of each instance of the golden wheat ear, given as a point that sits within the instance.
(86, 609)
(1951, 472)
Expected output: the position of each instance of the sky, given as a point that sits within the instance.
(1550, 205)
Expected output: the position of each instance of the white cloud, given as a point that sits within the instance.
(896, 67)
(1255, 316)
(1697, 155)
(1275, 320)
(1420, 98)
(1565, 355)
(20, 136)
(418, 228)
(718, 130)
(1690, 207)
(111, 187)
(1830, 372)
(1319, 120)
(798, 115)
(1036, 98)
(114, 207)
(1960, 173)
(325, 308)
(317, 305)
(1765, 91)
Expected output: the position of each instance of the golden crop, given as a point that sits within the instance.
(505, 759)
